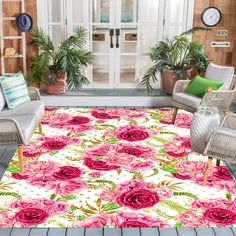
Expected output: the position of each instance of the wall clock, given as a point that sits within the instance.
(211, 16)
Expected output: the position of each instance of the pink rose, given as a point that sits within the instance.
(96, 174)
(40, 168)
(22, 204)
(57, 208)
(182, 120)
(99, 221)
(42, 181)
(103, 114)
(53, 145)
(19, 176)
(181, 176)
(220, 173)
(6, 221)
(99, 165)
(230, 187)
(31, 216)
(191, 168)
(67, 172)
(138, 199)
(192, 219)
(79, 120)
(138, 220)
(220, 217)
(70, 187)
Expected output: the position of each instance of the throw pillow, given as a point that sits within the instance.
(15, 90)
(199, 86)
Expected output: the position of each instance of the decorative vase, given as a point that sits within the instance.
(205, 121)
(59, 87)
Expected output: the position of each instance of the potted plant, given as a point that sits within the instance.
(58, 68)
(178, 58)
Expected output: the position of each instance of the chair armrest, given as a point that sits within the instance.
(10, 132)
(34, 94)
(222, 99)
(181, 85)
(229, 121)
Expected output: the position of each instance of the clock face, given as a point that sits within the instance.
(211, 16)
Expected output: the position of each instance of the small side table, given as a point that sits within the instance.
(205, 120)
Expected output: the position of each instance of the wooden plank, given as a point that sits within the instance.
(94, 232)
(20, 232)
(186, 232)
(57, 232)
(5, 232)
(223, 232)
(75, 232)
(168, 232)
(205, 232)
(131, 232)
(149, 232)
(113, 232)
(38, 232)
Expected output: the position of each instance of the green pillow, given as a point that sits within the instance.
(199, 86)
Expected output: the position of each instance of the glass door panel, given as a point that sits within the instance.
(128, 69)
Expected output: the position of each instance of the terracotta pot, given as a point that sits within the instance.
(168, 80)
(59, 87)
(34, 84)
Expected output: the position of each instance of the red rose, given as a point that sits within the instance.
(221, 173)
(181, 176)
(103, 115)
(138, 199)
(133, 224)
(79, 120)
(220, 216)
(31, 216)
(99, 165)
(67, 172)
(133, 135)
(131, 151)
(19, 176)
(54, 145)
(179, 153)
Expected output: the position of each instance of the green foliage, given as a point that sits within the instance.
(178, 225)
(173, 206)
(11, 194)
(111, 206)
(179, 55)
(186, 194)
(170, 169)
(13, 169)
(228, 196)
(69, 197)
(70, 57)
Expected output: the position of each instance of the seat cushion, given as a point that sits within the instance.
(187, 99)
(27, 125)
(15, 90)
(221, 74)
(2, 99)
(35, 108)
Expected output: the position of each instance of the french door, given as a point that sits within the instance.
(120, 33)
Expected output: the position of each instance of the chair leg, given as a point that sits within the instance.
(217, 162)
(40, 127)
(174, 114)
(207, 170)
(20, 157)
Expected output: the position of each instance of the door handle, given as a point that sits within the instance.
(111, 38)
(117, 38)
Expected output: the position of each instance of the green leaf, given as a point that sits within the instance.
(111, 206)
(178, 225)
(81, 134)
(170, 169)
(162, 151)
(228, 196)
(53, 153)
(13, 169)
(172, 133)
(186, 194)
(82, 217)
(173, 206)
(53, 196)
(158, 118)
(69, 197)
(11, 194)
(159, 139)
(112, 140)
(74, 208)
(113, 185)
(155, 172)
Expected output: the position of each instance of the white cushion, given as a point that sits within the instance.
(2, 100)
(187, 99)
(221, 74)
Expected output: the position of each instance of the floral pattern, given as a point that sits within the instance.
(115, 168)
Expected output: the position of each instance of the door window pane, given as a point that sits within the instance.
(101, 69)
(80, 11)
(56, 35)
(101, 11)
(148, 11)
(177, 11)
(128, 69)
(128, 11)
(54, 13)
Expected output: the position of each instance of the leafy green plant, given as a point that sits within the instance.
(179, 55)
(68, 58)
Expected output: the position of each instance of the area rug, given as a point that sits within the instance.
(115, 168)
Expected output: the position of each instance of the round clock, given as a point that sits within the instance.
(211, 16)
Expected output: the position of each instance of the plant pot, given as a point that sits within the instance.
(59, 87)
(34, 84)
(168, 80)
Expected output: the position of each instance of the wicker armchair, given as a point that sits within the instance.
(18, 125)
(221, 98)
(222, 144)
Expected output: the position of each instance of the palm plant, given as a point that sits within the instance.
(179, 55)
(69, 58)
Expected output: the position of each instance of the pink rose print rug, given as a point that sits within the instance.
(115, 168)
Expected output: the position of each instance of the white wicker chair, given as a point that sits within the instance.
(221, 98)
(222, 144)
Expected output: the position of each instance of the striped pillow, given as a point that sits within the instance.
(15, 90)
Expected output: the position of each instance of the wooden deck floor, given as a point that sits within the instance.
(6, 154)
